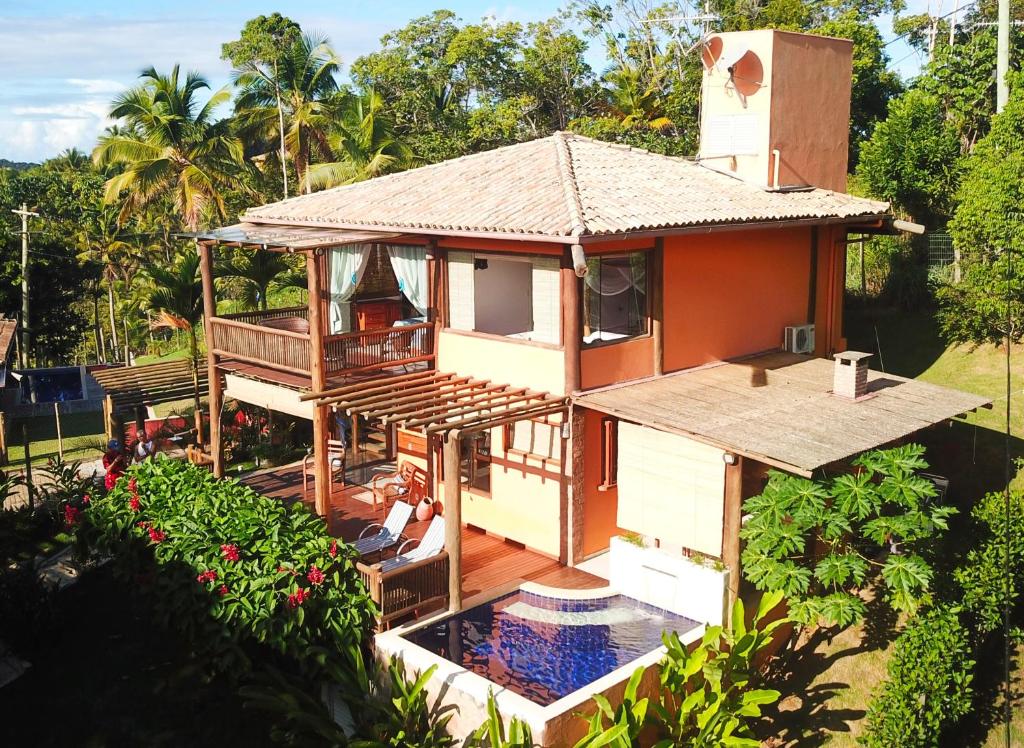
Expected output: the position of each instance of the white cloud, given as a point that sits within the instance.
(97, 85)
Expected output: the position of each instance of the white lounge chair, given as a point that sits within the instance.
(431, 544)
(377, 538)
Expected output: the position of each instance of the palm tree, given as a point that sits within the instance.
(305, 86)
(365, 140)
(636, 101)
(177, 301)
(170, 146)
(257, 270)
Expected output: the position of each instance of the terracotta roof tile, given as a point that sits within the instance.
(564, 185)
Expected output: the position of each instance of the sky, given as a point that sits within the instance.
(63, 61)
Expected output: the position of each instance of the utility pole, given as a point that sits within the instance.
(1003, 56)
(26, 336)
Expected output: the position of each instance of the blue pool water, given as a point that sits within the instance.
(546, 648)
(54, 385)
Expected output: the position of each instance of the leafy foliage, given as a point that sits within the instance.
(928, 687)
(492, 733)
(815, 540)
(706, 697)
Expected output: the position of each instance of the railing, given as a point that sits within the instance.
(375, 349)
(254, 318)
(407, 588)
(267, 346)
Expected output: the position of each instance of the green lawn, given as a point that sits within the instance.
(155, 358)
(82, 433)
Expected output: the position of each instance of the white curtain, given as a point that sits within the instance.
(348, 264)
(410, 266)
(608, 279)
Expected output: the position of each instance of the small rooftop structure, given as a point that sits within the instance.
(163, 382)
(792, 421)
(8, 328)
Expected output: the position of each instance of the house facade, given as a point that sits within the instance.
(578, 340)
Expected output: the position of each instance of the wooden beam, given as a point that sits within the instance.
(576, 492)
(479, 401)
(337, 394)
(731, 526)
(658, 305)
(571, 335)
(321, 429)
(215, 394)
(404, 395)
(451, 457)
(486, 425)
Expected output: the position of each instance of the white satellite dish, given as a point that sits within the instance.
(730, 56)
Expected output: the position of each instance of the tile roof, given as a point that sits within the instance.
(7, 330)
(564, 185)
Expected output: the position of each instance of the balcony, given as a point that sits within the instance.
(279, 339)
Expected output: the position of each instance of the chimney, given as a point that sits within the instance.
(850, 380)
(775, 108)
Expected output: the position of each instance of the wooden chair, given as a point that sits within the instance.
(335, 461)
(392, 485)
(387, 534)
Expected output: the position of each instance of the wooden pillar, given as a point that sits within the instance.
(321, 413)
(3, 438)
(216, 396)
(576, 492)
(453, 517)
(108, 417)
(731, 526)
(658, 305)
(441, 292)
(571, 336)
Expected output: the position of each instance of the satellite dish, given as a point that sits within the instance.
(731, 56)
(748, 74)
(711, 52)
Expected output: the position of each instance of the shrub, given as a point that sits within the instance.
(928, 688)
(231, 569)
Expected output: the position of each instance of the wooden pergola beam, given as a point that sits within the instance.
(524, 412)
(428, 415)
(480, 409)
(404, 395)
(392, 413)
(504, 421)
(360, 386)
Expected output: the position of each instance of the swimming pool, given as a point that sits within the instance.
(53, 385)
(545, 648)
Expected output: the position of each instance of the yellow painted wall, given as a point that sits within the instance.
(502, 361)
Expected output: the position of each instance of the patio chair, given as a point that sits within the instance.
(392, 485)
(335, 461)
(387, 534)
(429, 545)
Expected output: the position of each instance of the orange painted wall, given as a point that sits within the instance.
(619, 362)
(731, 294)
(600, 508)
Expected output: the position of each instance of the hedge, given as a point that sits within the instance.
(232, 570)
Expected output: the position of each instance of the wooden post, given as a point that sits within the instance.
(3, 438)
(28, 465)
(108, 417)
(216, 396)
(731, 527)
(321, 413)
(451, 456)
(571, 336)
(60, 437)
(658, 305)
(577, 421)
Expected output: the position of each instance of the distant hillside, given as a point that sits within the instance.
(16, 165)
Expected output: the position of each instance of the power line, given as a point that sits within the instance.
(937, 18)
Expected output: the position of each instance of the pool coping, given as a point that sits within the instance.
(509, 703)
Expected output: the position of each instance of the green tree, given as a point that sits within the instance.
(817, 541)
(258, 52)
(170, 147)
(307, 86)
(257, 269)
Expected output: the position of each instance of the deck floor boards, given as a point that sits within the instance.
(488, 562)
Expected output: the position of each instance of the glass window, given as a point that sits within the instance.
(476, 461)
(615, 298)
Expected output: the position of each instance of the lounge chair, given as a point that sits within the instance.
(377, 538)
(429, 545)
(392, 485)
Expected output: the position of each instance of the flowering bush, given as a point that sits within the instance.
(233, 570)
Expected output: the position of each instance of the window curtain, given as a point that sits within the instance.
(410, 266)
(607, 279)
(348, 264)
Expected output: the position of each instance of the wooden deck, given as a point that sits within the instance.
(488, 562)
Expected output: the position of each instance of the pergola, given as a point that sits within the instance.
(134, 387)
(446, 408)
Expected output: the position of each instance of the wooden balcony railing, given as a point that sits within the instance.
(418, 585)
(254, 318)
(279, 349)
(375, 349)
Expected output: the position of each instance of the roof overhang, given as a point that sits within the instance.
(779, 409)
(282, 238)
(150, 384)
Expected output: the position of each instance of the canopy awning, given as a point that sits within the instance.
(152, 384)
(287, 238)
(437, 402)
(779, 409)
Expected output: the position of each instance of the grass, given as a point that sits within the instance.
(155, 358)
(83, 437)
(112, 677)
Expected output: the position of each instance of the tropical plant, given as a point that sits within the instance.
(817, 540)
(305, 82)
(170, 147)
(706, 698)
(493, 734)
(928, 688)
(257, 269)
(408, 720)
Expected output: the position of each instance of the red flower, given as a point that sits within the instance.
(86, 499)
(295, 599)
(134, 504)
(71, 515)
(110, 481)
(157, 536)
(207, 576)
(229, 551)
(143, 525)
(334, 548)
(133, 485)
(222, 590)
(315, 576)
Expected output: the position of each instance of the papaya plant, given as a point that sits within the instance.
(820, 541)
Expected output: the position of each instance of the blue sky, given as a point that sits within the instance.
(62, 61)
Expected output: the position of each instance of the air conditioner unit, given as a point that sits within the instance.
(800, 339)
